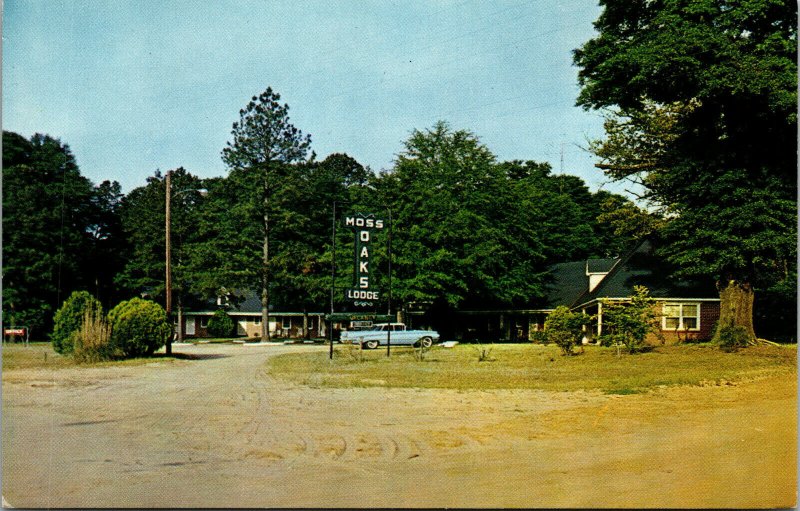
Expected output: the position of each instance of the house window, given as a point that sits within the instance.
(681, 316)
(203, 322)
(257, 320)
(286, 323)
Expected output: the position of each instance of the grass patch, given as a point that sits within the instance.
(208, 340)
(525, 366)
(42, 356)
(624, 392)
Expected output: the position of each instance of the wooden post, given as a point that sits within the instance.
(168, 290)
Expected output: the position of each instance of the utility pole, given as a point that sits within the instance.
(167, 229)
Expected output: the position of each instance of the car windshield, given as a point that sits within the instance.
(381, 328)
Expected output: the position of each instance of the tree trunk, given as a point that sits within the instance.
(265, 276)
(736, 305)
(305, 323)
(180, 318)
(265, 262)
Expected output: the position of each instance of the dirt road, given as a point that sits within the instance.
(219, 432)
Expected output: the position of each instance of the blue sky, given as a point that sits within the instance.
(137, 86)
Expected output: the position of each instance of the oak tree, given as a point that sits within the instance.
(702, 103)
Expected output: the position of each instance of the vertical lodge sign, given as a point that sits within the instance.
(363, 292)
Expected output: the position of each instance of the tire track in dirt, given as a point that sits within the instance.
(220, 431)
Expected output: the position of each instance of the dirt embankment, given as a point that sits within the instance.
(219, 432)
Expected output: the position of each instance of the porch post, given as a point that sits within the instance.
(599, 320)
(587, 332)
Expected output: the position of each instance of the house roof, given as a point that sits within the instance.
(643, 267)
(248, 302)
(241, 301)
(566, 282)
(600, 265)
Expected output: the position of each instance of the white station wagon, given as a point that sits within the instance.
(379, 335)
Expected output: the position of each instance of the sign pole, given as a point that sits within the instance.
(389, 311)
(333, 275)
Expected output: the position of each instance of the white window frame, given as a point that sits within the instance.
(286, 323)
(680, 317)
(204, 321)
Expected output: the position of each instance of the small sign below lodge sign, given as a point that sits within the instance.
(362, 293)
(352, 316)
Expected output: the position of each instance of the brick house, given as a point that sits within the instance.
(688, 310)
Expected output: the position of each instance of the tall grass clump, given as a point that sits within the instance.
(92, 341)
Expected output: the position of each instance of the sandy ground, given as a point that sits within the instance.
(219, 432)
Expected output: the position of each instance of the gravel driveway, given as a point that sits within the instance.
(218, 431)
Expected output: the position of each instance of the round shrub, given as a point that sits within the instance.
(565, 328)
(138, 327)
(220, 325)
(69, 318)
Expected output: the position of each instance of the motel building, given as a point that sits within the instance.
(687, 310)
(244, 308)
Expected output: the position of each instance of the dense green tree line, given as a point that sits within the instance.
(60, 232)
(467, 230)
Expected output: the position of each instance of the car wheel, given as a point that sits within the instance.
(426, 342)
(371, 345)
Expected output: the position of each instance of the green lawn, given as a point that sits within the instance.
(42, 356)
(528, 366)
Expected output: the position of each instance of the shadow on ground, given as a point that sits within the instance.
(191, 356)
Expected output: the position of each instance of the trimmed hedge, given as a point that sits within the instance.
(69, 318)
(138, 327)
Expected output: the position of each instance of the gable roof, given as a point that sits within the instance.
(245, 301)
(566, 282)
(239, 301)
(643, 267)
(600, 265)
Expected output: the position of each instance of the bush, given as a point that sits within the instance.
(565, 328)
(220, 325)
(627, 324)
(539, 337)
(138, 327)
(69, 317)
(92, 341)
(731, 337)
